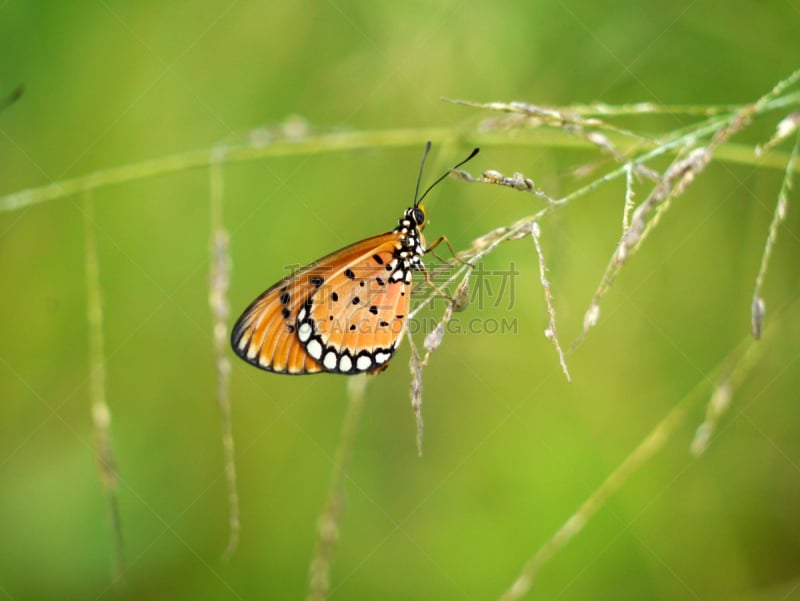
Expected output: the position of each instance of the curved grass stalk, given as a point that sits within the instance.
(219, 282)
(328, 524)
(758, 307)
(257, 148)
(100, 410)
(738, 362)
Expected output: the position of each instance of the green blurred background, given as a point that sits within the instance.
(511, 449)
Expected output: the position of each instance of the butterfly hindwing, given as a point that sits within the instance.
(353, 323)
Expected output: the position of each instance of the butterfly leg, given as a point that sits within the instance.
(429, 281)
(444, 239)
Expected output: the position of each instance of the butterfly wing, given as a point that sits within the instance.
(341, 314)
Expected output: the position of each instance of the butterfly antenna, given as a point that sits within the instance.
(424, 194)
(421, 167)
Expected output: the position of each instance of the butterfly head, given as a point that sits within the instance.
(413, 220)
(411, 223)
(418, 216)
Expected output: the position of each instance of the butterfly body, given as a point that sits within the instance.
(343, 313)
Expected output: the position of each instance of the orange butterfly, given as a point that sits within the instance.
(343, 313)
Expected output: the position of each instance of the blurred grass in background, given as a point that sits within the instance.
(511, 449)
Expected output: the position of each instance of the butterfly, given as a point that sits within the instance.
(343, 313)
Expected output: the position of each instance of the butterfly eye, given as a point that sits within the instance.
(419, 216)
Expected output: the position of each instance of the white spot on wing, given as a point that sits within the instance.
(330, 360)
(381, 357)
(345, 363)
(363, 363)
(302, 315)
(314, 349)
(304, 332)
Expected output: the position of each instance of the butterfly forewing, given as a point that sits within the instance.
(264, 336)
(341, 314)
